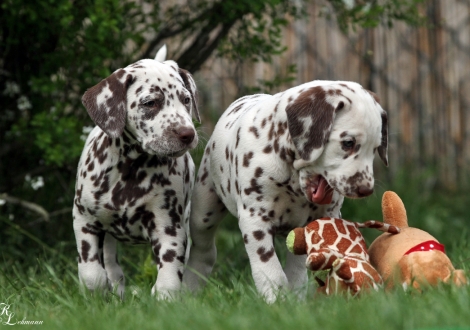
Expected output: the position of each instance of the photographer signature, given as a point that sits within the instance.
(7, 317)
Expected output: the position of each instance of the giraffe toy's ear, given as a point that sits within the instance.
(393, 210)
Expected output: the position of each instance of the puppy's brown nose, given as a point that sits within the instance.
(186, 135)
(364, 191)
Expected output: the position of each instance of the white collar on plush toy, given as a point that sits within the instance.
(427, 246)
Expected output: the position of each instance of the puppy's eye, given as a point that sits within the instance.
(150, 104)
(153, 103)
(187, 100)
(348, 144)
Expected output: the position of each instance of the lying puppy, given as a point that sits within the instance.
(135, 175)
(278, 162)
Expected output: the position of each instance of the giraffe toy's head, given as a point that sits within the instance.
(337, 245)
(412, 258)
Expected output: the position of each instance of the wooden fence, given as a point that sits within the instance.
(422, 76)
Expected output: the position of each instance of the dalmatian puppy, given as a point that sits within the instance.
(135, 175)
(278, 162)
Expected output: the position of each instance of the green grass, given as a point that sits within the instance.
(42, 285)
(48, 292)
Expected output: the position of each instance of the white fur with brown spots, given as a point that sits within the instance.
(135, 175)
(278, 162)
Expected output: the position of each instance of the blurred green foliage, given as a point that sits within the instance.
(369, 14)
(51, 51)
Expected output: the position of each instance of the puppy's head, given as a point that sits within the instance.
(336, 128)
(152, 101)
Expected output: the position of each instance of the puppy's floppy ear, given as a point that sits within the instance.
(190, 85)
(106, 102)
(374, 96)
(161, 54)
(383, 148)
(310, 119)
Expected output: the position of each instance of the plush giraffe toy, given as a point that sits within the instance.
(413, 257)
(338, 245)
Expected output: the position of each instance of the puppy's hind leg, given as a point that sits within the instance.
(112, 267)
(90, 240)
(296, 273)
(207, 210)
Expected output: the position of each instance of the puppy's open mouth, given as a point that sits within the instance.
(319, 191)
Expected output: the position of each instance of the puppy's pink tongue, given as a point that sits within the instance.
(323, 194)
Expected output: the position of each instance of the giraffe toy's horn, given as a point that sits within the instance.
(393, 210)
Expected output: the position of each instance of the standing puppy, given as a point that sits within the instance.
(135, 175)
(278, 162)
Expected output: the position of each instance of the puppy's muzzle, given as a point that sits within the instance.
(364, 191)
(185, 135)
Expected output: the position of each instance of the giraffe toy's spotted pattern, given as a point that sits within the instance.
(338, 245)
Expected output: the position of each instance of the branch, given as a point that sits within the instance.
(51, 215)
(203, 45)
(167, 32)
(27, 205)
(201, 49)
